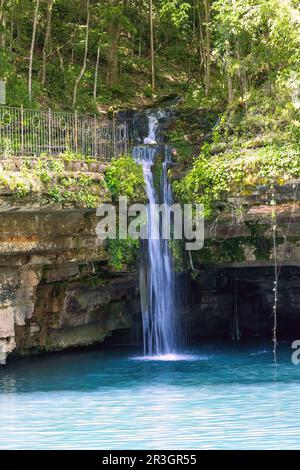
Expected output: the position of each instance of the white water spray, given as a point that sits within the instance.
(160, 319)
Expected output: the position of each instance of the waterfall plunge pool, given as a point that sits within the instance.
(215, 397)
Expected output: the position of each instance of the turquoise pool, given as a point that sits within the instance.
(213, 397)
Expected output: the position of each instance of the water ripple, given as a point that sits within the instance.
(216, 397)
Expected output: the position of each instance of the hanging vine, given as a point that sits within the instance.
(275, 288)
(278, 263)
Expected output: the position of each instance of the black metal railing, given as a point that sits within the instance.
(29, 132)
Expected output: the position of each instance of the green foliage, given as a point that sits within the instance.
(148, 91)
(241, 25)
(233, 250)
(47, 176)
(5, 64)
(124, 177)
(222, 251)
(211, 179)
(175, 10)
(195, 97)
(55, 194)
(70, 156)
(177, 251)
(47, 167)
(123, 254)
(19, 186)
(253, 42)
(262, 245)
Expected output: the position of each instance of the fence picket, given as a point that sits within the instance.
(28, 132)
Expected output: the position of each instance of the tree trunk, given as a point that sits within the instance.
(2, 24)
(229, 75)
(140, 47)
(114, 33)
(194, 17)
(35, 20)
(230, 88)
(62, 68)
(47, 37)
(96, 72)
(152, 44)
(113, 59)
(11, 37)
(207, 45)
(85, 54)
(242, 76)
(201, 45)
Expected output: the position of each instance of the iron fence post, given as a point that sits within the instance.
(22, 131)
(76, 132)
(49, 131)
(126, 137)
(96, 141)
(114, 137)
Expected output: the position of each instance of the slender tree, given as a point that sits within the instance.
(12, 25)
(96, 72)
(85, 54)
(2, 24)
(152, 44)
(114, 32)
(47, 38)
(229, 73)
(207, 45)
(35, 21)
(201, 45)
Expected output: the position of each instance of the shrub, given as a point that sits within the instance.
(124, 177)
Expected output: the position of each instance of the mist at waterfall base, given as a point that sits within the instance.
(161, 326)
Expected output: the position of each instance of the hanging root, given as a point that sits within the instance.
(191, 261)
(276, 273)
(278, 266)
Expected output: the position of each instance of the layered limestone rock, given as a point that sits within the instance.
(231, 292)
(242, 233)
(58, 292)
(56, 289)
(18, 286)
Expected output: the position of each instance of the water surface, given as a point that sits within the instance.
(216, 396)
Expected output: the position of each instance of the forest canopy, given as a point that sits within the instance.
(93, 55)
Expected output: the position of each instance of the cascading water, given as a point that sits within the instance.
(160, 319)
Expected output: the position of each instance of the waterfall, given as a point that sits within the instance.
(160, 319)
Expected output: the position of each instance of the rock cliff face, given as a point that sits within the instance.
(231, 294)
(236, 303)
(56, 290)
